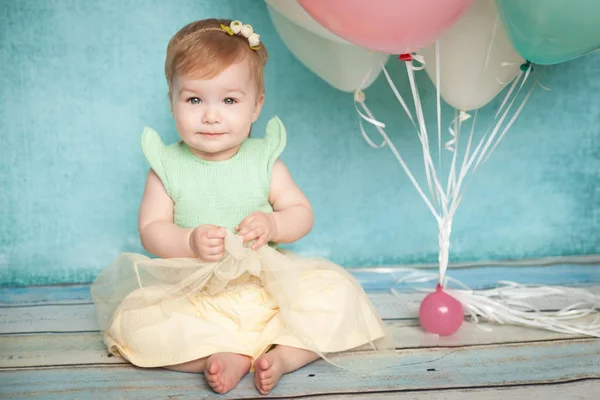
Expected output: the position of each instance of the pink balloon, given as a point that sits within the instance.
(441, 313)
(388, 26)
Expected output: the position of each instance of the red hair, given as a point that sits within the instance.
(203, 50)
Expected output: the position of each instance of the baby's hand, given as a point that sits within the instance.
(258, 226)
(208, 242)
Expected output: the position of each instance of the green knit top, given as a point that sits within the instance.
(221, 193)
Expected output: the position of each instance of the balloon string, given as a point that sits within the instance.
(438, 101)
(380, 128)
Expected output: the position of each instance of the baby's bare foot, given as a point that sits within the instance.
(281, 360)
(223, 371)
(269, 368)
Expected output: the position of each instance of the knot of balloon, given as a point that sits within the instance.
(525, 66)
(405, 57)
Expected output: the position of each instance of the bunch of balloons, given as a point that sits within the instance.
(482, 43)
(471, 50)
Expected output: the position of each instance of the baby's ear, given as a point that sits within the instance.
(171, 102)
(260, 100)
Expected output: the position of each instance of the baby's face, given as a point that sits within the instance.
(214, 116)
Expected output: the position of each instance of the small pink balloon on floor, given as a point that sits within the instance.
(441, 313)
(388, 26)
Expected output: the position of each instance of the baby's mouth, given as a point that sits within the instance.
(212, 134)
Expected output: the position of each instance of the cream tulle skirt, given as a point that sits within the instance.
(159, 312)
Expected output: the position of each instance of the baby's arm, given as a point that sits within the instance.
(161, 237)
(292, 216)
(292, 212)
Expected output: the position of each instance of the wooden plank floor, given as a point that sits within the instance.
(50, 349)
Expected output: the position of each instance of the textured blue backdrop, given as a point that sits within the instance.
(80, 79)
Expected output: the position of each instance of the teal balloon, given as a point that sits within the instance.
(551, 31)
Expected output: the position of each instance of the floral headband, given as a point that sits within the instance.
(237, 28)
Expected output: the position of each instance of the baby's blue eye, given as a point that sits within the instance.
(194, 100)
(229, 101)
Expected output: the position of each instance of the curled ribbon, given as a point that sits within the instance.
(462, 117)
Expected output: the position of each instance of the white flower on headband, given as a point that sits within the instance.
(236, 27)
(247, 31)
(254, 40)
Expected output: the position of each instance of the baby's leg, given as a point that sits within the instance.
(222, 371)
(281, 360)
(195, 366)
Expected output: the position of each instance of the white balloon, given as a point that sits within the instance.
(466, 82)
(339, 63)
(294, 12)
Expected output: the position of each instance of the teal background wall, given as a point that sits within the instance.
(80, 79)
